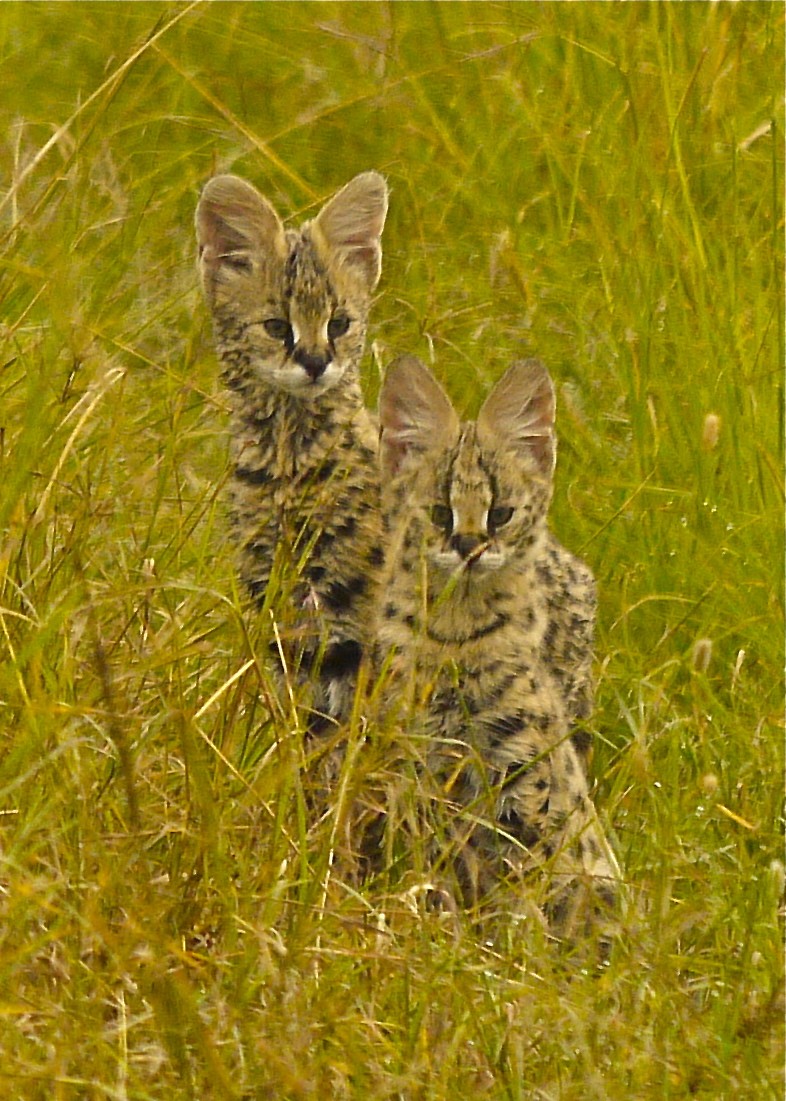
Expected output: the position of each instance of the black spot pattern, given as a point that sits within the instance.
(251, 477)
(325, 470)
(376, 556)
(341, 594)
(341, 659)
(501, 727)
(524, 832)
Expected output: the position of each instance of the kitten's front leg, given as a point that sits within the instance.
(547, 822)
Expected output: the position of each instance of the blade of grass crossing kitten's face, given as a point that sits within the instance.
(494, 477)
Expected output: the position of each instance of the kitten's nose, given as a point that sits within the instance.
(313, 365)
(467, 545)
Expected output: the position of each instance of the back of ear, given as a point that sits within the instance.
(415, 415)
(235, 225)
(519, 413)
(349, 226)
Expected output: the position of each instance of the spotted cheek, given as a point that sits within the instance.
(270, 360)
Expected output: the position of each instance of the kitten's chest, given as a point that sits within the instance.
(480, 628)
(297, 465)
(461, 679)
(465, 660)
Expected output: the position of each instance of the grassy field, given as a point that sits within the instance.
(597, 184)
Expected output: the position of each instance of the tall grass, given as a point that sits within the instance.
(597, 184)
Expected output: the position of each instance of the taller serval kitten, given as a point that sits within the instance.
(465, 614)
(290, 310)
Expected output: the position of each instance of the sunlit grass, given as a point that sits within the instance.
(599, 185)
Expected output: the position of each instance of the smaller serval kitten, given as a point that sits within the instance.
(463, 618)
(290, 309)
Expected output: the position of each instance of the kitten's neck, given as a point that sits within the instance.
(260, 404)
(291, 441)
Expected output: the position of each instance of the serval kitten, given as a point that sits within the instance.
(463, 624)
(290, 310)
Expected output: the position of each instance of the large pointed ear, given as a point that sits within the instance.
(519, 412)
(415, 414)
(234, 223)
(349, 226)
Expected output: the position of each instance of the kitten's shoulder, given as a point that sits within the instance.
(565, 575)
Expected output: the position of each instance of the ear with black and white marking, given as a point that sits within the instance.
(235, 225)
(349, 226)
(415, 415)
(519, 412)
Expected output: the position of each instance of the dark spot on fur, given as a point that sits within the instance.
(325, 470)
(319, 724)
(558, 911)
(524, 832)
(543, 809)
(253, 477)
(391, 611)
(341, 594)
(607, 894)
(544, 573)
(341, 659)
(376, 556)
(550, 634)
(513, 772)
(346, 529)
(257, 590)
(501, 727)
(581, 739)
(592, 846)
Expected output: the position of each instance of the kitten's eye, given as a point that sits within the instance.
(278, 328)
(497, 518)
(337, 325)
(442, 517)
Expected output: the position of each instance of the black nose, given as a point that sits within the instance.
(313, 365)
(466, 545)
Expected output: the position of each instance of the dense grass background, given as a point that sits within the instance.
(597, 184)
